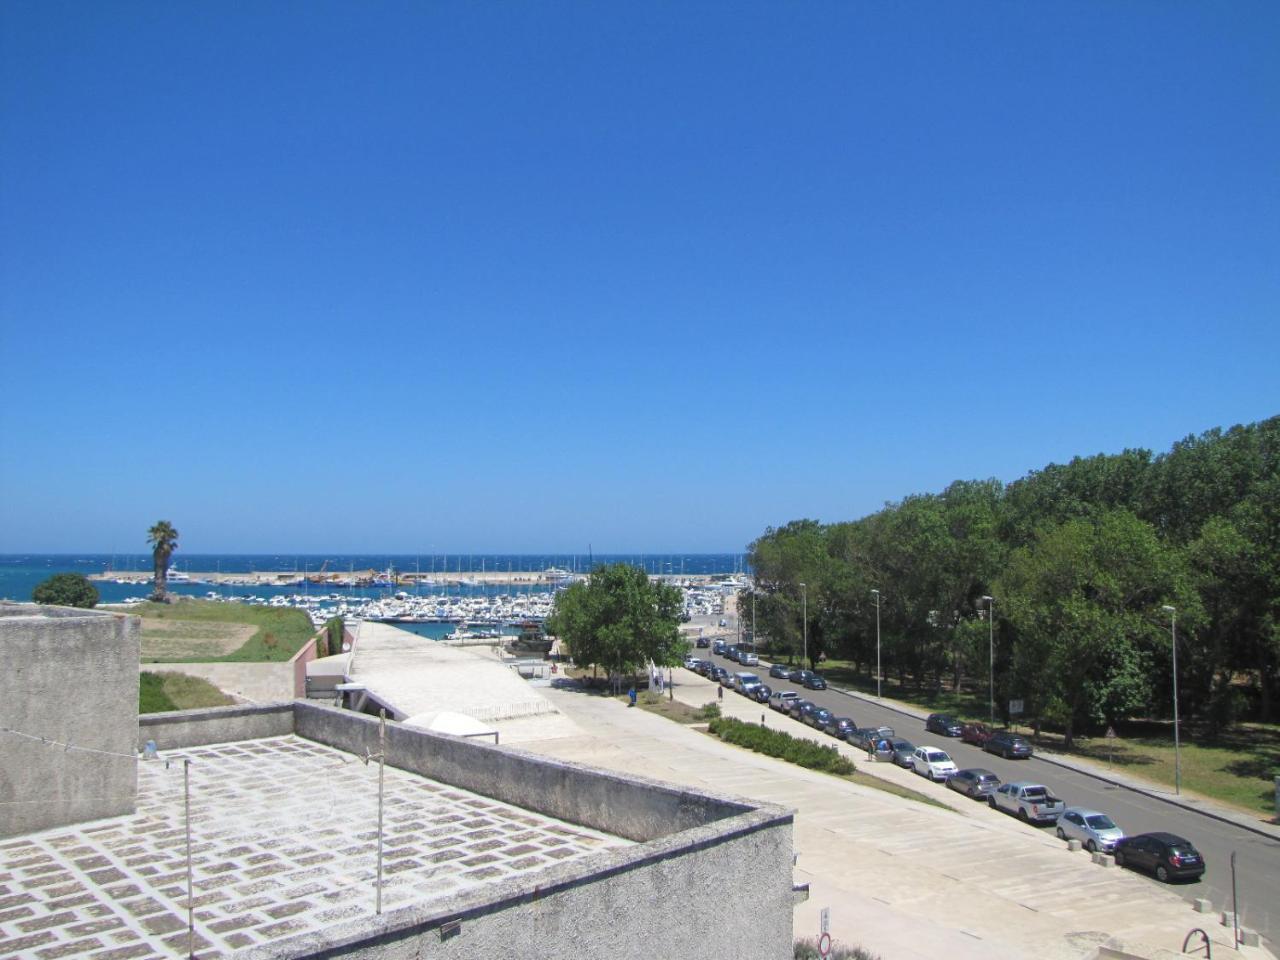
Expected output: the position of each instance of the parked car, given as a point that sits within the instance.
(932, 762)
(780, 671)
(1011, 746)
(748, 658)
(762, 693)
(862, 736)
(839, 727)
(726, 680)
(815, 681)
(1029, 801)
(974, 782)
(943, 724)
(799, 708)
(818, 717)
(745, 682)
(731, 653)
(703, 642)
(1166, 855)
(781, 700)
(902, 752)
(718, 674)
(691, 663)
(705, 667)
(717, 647)
(975, 733)
(1095, 830)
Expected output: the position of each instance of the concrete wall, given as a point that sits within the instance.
(193, 728)
(73, 678)
(299, 663)
(254, 682)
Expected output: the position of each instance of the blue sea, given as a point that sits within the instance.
(20, 573)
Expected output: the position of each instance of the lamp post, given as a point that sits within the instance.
(804, 605)
(876, 594)
(1177, 747)
(991, 650)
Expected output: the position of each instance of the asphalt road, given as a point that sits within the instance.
(1257, 858)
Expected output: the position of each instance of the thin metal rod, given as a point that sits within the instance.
(382, 761)
(1235, 906)
(991, 651)
(186, 803)
(1177, 743)
(878, 671)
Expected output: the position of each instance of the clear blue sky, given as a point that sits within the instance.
(517, 277)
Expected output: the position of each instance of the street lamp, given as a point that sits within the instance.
(804, 602)
(876, 594)
(991, 649)
(1177, 747)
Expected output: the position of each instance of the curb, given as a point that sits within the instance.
(1051, 760)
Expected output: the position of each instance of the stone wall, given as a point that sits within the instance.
(73, 679)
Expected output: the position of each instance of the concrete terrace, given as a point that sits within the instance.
(285, 844)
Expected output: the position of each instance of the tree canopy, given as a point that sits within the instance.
(66, 590)
(1081, 558)
(619, 620)
(163, 539)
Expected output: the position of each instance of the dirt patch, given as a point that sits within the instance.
(187, 639)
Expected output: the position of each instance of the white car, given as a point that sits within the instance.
(933, 762)
(782, 699)
(1095, 830)
(691, 663)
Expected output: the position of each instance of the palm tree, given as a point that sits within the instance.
(164, 540)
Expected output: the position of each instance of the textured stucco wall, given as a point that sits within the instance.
(622, 805)
(194, 728)
(73, 678)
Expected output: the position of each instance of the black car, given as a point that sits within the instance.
(781, 671)
(945, 725)
(762, 693)
(717, 674)
(974, 783)
(731, 653)
(815, 682)
(818, 717)
(703, 642)
(864, 736)
(1166, 855)
(1008, 745)
(799, 708)
(839, 727)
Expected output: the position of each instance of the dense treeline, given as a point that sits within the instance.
(1081, 559)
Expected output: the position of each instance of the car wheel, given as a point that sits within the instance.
(1022, 815)
(991, 802)
(1119, 858)
(1162, 874)
(1091, 847)
(1060, 833)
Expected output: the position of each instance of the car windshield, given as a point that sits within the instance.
(988, 777)
(1100, 821)
(937, 756)
(902, 745)
(1034, 793)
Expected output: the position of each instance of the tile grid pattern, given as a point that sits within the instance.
(283, 841)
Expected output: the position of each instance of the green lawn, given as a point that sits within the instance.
(158, 692)
(280, 632)
(1237, 768)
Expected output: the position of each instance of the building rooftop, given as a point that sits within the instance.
(284, 843)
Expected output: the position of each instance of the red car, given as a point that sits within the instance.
(975, 733)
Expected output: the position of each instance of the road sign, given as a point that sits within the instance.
(1015, 708)
(824, 920)
(824, 945)
(1111, 733)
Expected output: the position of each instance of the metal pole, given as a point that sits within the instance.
(991, 653)
(186, 802)
(382, 762)
(804, 601)
(1235, 906)
(876, 593)
(1177, 744)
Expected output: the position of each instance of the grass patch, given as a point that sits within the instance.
(1236, 768)
(279, 633)
(654, 702)
(158, 692)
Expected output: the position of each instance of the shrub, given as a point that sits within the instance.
(66, 590)
(709, 711)
(775, 743)
(807, 949)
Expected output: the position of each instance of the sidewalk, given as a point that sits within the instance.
(1188, 801)
(903, 879)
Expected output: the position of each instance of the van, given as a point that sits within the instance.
(718, 647)
(745, 682)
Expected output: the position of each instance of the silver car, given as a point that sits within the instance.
(1095, 830)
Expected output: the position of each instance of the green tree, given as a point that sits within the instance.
(619, 620)
(163, 539)
(66, 590)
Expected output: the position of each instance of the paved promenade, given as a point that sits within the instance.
(903, 879)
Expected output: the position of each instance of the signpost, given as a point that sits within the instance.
(824, 939)
(1111, 745)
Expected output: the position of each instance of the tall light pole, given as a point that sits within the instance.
(804, 604)
(991, 650)
(1177, 746)
(876, 594)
